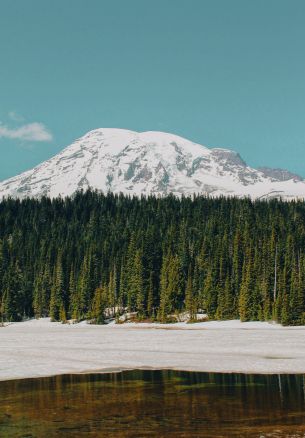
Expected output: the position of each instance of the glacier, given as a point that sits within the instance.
(150, 163)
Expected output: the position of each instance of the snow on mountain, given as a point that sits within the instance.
(119, 160)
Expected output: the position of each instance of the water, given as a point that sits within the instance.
(154, 404)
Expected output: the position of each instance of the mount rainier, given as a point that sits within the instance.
(159, 163)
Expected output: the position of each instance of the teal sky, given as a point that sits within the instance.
(227, 73)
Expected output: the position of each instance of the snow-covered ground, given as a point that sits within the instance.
(41, 348)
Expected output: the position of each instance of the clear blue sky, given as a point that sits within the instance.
(227, 73)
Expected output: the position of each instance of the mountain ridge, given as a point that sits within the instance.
(150, 162)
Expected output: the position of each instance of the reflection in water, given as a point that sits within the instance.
(154, 403)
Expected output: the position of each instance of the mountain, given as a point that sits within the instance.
(152, 162)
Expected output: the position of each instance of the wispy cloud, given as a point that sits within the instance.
(13, 115)
(28, 132)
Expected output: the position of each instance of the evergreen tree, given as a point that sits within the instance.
(190, 300)
(99, 305)
(228, 257)
(12, 305)
(150, 297)
(170, 282)
(57, 292)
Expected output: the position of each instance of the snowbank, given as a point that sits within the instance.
(41, 348)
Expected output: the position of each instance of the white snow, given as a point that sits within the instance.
(41, 348)
(152, 162)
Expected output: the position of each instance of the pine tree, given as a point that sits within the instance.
(112, 291)
(74, 308)
(150, 296)
(243, 256)
(245, 294)
(12, 307)
(57, 291)
(170, 282)
(135, 284)
(225, 302)
(122, 288)
(85, 287)
(209, 295)
(190, 301)
(99, 305)
(37, 296)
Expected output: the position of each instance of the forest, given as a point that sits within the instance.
(76, 258)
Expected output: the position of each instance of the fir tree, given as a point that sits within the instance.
(57, 291)
(190, 300)
(99, 305)
(242, 258)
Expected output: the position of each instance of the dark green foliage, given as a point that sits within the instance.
(12, 302)
(57, 300)
(99, 305)
(92, 256)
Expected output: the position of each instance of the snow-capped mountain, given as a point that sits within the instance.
(158, 163)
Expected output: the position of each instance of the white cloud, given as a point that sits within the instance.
(29, 132)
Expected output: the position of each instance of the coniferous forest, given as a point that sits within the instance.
(74, 258)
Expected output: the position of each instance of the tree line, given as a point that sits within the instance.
(92, 255)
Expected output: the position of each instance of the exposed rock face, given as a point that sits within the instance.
(280, 174)
(146, 163)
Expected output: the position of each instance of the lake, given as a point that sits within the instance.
(146, 403)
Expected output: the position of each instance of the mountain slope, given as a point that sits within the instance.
(153, 162)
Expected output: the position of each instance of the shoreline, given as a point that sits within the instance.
(122, 370)
(39, 348)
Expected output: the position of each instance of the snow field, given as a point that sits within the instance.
(40, 348)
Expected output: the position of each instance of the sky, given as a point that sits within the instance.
(222, 73)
